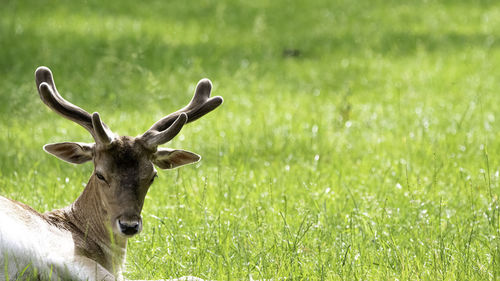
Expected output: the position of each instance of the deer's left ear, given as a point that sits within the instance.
(167, 158)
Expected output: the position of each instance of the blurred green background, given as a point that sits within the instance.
(357, 141)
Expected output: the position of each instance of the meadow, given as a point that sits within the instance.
(358, 140)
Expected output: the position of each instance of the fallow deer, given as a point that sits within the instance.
(87, 240)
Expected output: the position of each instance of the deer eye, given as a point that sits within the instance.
(100, 176)
(153, 178)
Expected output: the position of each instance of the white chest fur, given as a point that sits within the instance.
(29, 245)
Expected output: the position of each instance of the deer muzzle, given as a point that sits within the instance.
(129, 226)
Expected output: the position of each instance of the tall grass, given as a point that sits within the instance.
(358, 139)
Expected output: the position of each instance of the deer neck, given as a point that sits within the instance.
(89, 215)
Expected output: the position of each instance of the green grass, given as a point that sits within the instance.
(372, 155)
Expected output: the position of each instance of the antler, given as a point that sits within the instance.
(169, 126)
(51, 97)
(161, 132)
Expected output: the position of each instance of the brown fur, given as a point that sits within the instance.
(108, 211)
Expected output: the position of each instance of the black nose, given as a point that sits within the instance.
(129, 228)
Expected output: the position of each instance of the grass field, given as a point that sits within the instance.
(358, 139)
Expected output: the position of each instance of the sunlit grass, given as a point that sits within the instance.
(358, 140)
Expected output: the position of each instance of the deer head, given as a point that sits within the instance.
(124, 166)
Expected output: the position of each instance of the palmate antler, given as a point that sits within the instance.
(161, 132)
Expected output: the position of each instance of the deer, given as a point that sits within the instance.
(87, 240)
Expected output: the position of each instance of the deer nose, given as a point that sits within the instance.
(130, 227)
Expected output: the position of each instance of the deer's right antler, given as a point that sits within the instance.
(51, 97)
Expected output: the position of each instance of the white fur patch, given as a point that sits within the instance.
(30, 246)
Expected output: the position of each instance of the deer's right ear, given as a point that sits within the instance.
(72, 152)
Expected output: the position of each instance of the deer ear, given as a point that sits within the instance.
(167, 158)
(72, 152)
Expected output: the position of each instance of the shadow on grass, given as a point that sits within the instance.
(408, 43)
(109, 61)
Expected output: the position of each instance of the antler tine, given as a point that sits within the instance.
(200, 104)
(51, 97)
(103, 134)
(154, 138)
